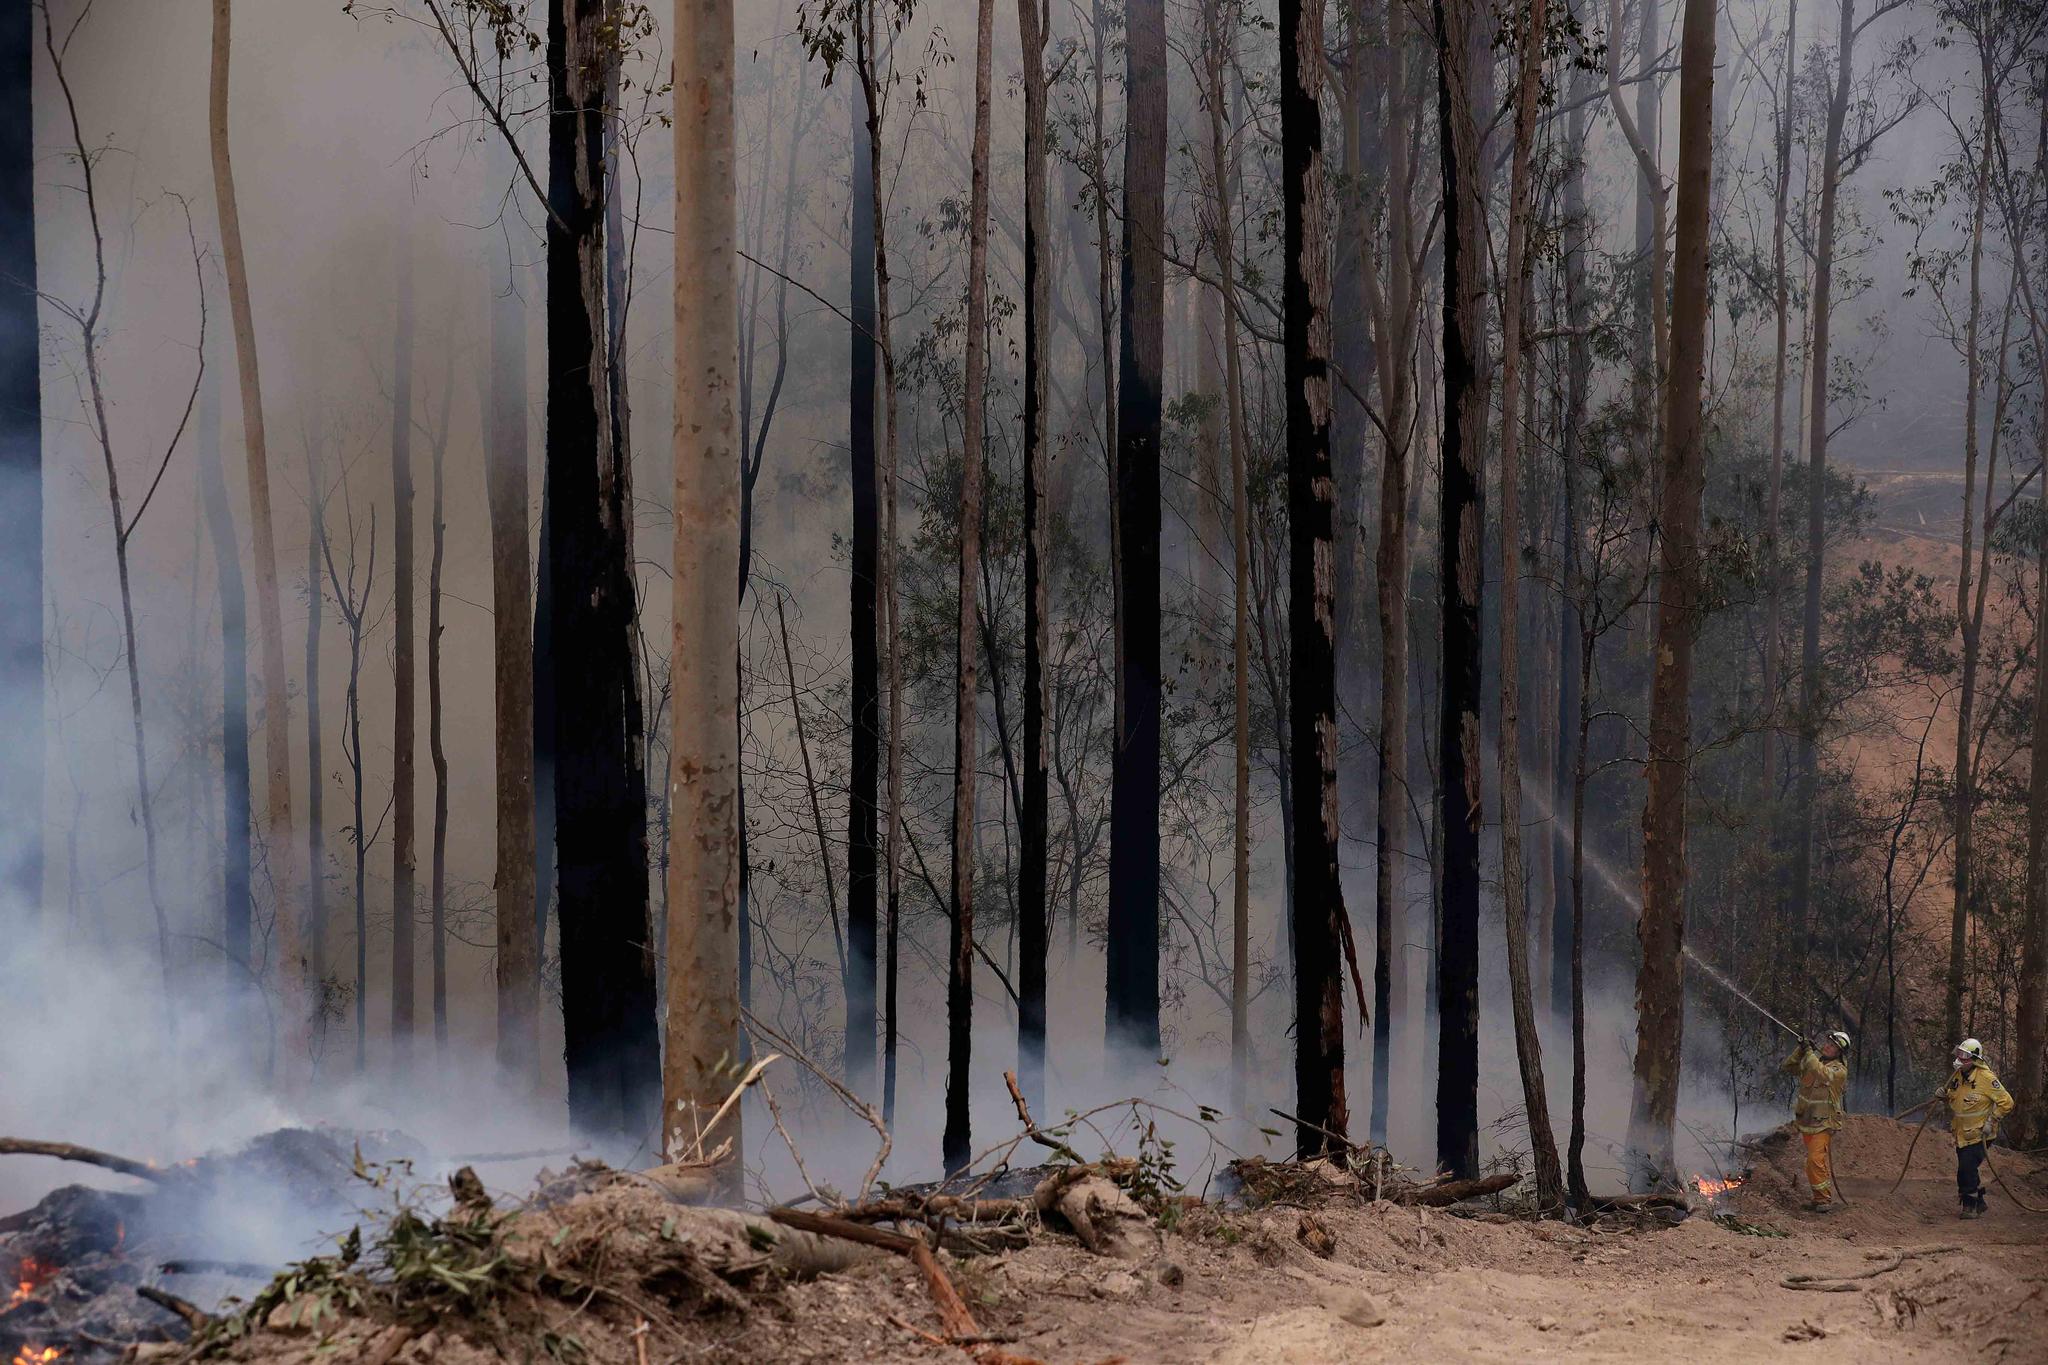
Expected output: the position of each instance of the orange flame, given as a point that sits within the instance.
(31, 1273)
(36, 1355)
(1714, 1189)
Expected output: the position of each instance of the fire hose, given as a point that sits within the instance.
(1989, 1165)
(2003, 1186)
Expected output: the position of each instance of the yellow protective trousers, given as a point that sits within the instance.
(1820, 1171)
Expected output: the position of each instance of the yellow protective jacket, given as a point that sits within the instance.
(1976, 1102)
(1817, 1108)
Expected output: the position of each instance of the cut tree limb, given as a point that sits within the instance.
(827, 1226)
(194, 1318)
(70, 1151)
(1452, 1191)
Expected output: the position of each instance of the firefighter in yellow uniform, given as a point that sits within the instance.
(1817, 1110)
(1976, 1102)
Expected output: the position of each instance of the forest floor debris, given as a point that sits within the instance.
(1302, 1263)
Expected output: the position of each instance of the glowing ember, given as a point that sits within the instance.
(1714, 1189)
(30, 1274)
(33, 1355)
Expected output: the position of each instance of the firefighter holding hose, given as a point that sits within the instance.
(1817, 1110)
(1976, 1101)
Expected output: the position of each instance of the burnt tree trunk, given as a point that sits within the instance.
(1318, 900)
(1396, 306)
(437, 754)
(1660, 983)
(1033, 929)
(864, 67)
(1578, 384)
(21, 476)
(600, 782)
(866, 671)
(1461, 514)
(316, 781)
(404, 727)
(1132, 1013)
(512, 678)
(966, 744)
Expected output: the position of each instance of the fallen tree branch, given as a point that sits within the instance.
(246, 1270)
(954, 1316)
(1846, 1284)
(1452, 1191)
(915, 1210)
(1347, 1144)
(1031, 1129)
(184, 1308)
(827, 1226)
(71, 1151)
(1622, 1203)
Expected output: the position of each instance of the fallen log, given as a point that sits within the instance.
(846, 1230)
(71, 1151)
(1452, 1191)
(1623, 1203)
(914, 1210)
(1099, 1211)
(952, 1309)
(184, 1308)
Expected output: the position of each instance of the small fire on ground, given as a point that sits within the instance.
(31, 1355)
(1715, 1189)
(28, 1277)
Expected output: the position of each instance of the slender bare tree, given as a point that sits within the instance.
(703, 871)
(1514, 885)
(291, 964)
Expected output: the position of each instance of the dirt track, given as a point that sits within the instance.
(1408, 1284)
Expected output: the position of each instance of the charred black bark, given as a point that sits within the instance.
(1461, 514)
(1132, 1014)
(861, 840)
(599, 779)
(1033, 929)
(21, 472)
(1318, 900)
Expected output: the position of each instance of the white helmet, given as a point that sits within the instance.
(1839, 1039)
(1969, 1050)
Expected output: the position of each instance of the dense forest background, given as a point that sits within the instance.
(1861, 841)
